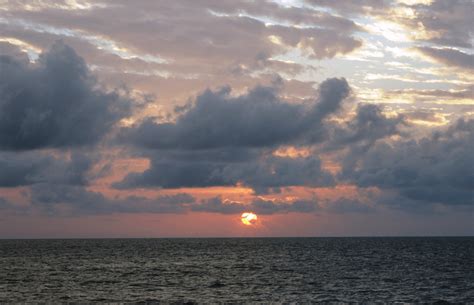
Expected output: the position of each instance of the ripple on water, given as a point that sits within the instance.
(431, 270)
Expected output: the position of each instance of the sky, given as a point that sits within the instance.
(172, 118)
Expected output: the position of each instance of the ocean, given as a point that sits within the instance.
(235, 270)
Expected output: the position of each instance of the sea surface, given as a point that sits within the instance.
(426, 270)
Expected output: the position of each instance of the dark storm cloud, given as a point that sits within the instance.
(272, 173)
(76, 200)
(13, 51)
(449, 57)
(276, 172)
(348, 205)
(268, 207)
(171, 173)
(368, 126)
(262, 173)
(435, 169)
(259, 206)
(55, 103)
(48, 111)
(256, 119)
(28, 168)
(52, 107)
(224, 140)
(216, 205)
(16, 171)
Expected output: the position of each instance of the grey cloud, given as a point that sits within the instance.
(263, 173)
(348, 205)
(425, 116)
(13, 51)
(467, 93)
(450, 57)
(70, 200)
(67, 200)
(224, 140)
(334, 42)
(368, 126)
(196, 35)
(17, 171)
(292, 14)
(353, 6)
(262, 206)
(451, 20)
(217, 205)
(168, 173)
(446, 23)
(331, 94)
(259, 206)
(436, 169)
(272, 173)
(56, 103)
(256, 119)
(264, 63)
(29, 168)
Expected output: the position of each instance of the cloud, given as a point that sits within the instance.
(273, 173)
(67, 200)
(435, 169)
(467, 93)
(445, 22)
(202, 39)
(27, 168)
(55, 103)
(364, 129)
(262, 173)
(70, 200)
(226, 137)
(259, 206)
(449, 57)
(262, 206)
(354, 6)
(348, 205)
(256, 119)
(312, 40)
(223, 140)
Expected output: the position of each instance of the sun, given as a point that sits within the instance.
(248, 218)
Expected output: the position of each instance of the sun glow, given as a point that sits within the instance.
(248, 218)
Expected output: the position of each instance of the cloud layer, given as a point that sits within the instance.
(55, 116)
(257, 119)
(224, 140)
(56, 107)
(436, 169)
(54, 103)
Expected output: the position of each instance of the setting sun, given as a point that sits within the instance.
(248, 218)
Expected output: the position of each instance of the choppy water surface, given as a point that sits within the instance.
(238, 270)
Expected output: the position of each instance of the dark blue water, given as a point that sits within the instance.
(238, 270)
